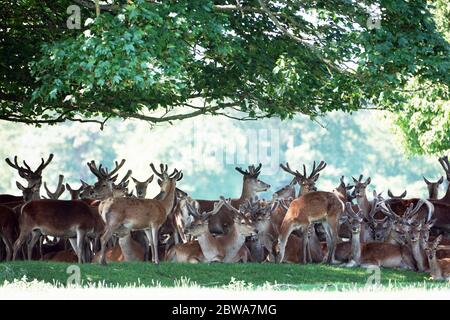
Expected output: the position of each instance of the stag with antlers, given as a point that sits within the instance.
(122, 215)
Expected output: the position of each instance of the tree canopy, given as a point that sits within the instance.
(244, 59)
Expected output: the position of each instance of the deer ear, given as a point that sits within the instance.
(367, 181)
(316, 177)
(68, 187)
(150, 179)
(19, 186)
(134, 180)
(441, 180)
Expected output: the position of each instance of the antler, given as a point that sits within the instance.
(27, 170)
(397, 197)
(315, 170)
(251, 172)
(124, 180)
(59, 189)
(445, 165)
(43, 163)
(289, 170)
(227, 203)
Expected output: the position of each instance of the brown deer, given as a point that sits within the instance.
(59, 189)
(376, 253)
(71, 219)
(224, 248)
(306, 183)
(313, 207)
(28, 193)
(127, 249)
(221, 222)
(433, 188)
(124, 214)
(141, 187)
(439, 269)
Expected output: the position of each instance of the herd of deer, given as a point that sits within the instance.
(105, 222)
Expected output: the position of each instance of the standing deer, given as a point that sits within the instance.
(59, 189)
(433, 188)
(9, 228)
(124, 214)
(221, 222)
(71, 219)
(29, 193)
(288, 191)
(141, 187)
(313, 207)
(306, 183)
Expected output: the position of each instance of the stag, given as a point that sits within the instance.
(122, 215)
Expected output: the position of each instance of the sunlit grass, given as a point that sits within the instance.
(244, 276)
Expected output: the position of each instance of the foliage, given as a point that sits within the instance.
(148, 60)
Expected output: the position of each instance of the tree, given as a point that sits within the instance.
(246, 60)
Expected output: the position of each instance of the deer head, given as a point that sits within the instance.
(286, 192)
(165, 179)
(397, 197)
(74, 193)
(104, 186)
(87, 191)
(307, 182)
(141, 187)
(244, 223)
(360, 187)
(352, 218)
(258, 211)
(343, 190)
(433, 187)
(430, 249)
(29, 193)
(121, 189)
(59, 189)
(252, 184)
(200, 224)
(33, 178)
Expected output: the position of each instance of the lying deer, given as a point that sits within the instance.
(439, 269)
(224, 248)
(375, 253)
(71, 219)
(122, 215)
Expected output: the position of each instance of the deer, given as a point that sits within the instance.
(222, 222)
(433, 188)
(71, 219)
(375, 253)
(439, 269)
(141, 187)
(343, 190)
(127, 249)
(306, 183)
(122, 215)
(313, 207)
(60, 188)
(224, 248)
(28, 193)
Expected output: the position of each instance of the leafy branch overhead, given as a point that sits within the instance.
(150, 60)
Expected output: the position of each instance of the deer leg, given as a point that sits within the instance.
(8, 247)
(81, 246)
(103, 241)
(35, 235)
(19, 242)
(155, 231)
(148, 234)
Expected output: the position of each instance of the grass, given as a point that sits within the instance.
(283, 276)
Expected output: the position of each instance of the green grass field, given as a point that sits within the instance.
(284, 276)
